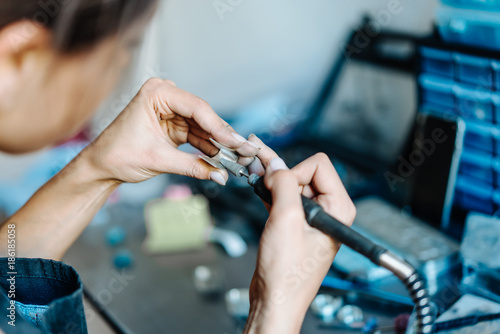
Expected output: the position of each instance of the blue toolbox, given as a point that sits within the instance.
(477, 71)
(495, 64)
(481, 167)
(476, 197)
(437, 61)
(437, 93)
(470, 27)
(491, 5)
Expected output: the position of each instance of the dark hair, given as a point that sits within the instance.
(75, 23)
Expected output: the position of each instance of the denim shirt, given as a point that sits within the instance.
(46, 296)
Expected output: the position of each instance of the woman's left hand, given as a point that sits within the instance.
(143, 140)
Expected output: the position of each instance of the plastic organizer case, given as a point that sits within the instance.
(477, 71)
(437, 93)
(437, 62)
(448, 98)
(482, 137)
(471, 27)
(478, 4)
(495, 64)
(480, 166)
(472, 196)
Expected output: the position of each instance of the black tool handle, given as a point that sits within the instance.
(318, 218)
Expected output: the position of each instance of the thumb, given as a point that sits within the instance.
(182, 163)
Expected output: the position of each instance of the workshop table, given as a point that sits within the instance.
(154, 297)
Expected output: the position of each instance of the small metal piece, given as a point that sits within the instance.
(235, 168)
(238, 302)
(208, 280)
(326, 306)
(224, 153)
(350, 314)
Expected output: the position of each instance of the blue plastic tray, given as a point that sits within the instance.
(479, 166)
(474, 70)
(473, 103)
(437, 62)
(470, 27)
(437, 93)
(492, 5)
(471, 196)
(485, 138)
(495, 64)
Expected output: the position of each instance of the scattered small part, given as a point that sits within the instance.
(177, 225)
(326, 306)
(370, 326)
(401, 323)
(238, 302)
(116, 236)
(208, 281)
(232, 242)
(178, 191)
(123, 259)
(350, 314)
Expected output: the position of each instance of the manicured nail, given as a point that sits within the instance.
(254, 145)
(218, 178)
(239, 138)
(277, 164)
(256, 168)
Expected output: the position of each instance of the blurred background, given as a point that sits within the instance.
(402, 95)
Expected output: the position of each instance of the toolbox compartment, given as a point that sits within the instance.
(482, 137)
(479, 166)
(437, 61)
(471, 27)
(495, 64)
(473, 103)
(437, 93)
(471, 195)
(491, 5)
(477, 71)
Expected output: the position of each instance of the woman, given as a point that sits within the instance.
(58, 60)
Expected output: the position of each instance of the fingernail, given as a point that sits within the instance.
(254, 145)
(218, 178)
(239, 138)
(256, 168)
(277, 164)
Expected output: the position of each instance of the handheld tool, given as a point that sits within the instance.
(318, 218)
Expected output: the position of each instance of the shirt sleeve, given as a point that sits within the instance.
(40, 296)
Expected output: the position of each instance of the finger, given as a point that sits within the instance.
(194, 128)
(182, 163)
(287, 204)
(192, 107)
(203, 145)
(319, 173)
(266, 154)
(256, 167)
(165, 96)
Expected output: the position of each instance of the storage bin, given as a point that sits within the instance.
(495, 100)
(478, 166)
(473, 103)
(495, 64)
(437, 61)
(485, 138)
(477, 71)
(437, 94)
(479, 4)
(470, 27)
(471, 196)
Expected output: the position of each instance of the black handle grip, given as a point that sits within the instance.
(318, 218)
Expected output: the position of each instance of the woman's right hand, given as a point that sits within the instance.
(293, 257)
